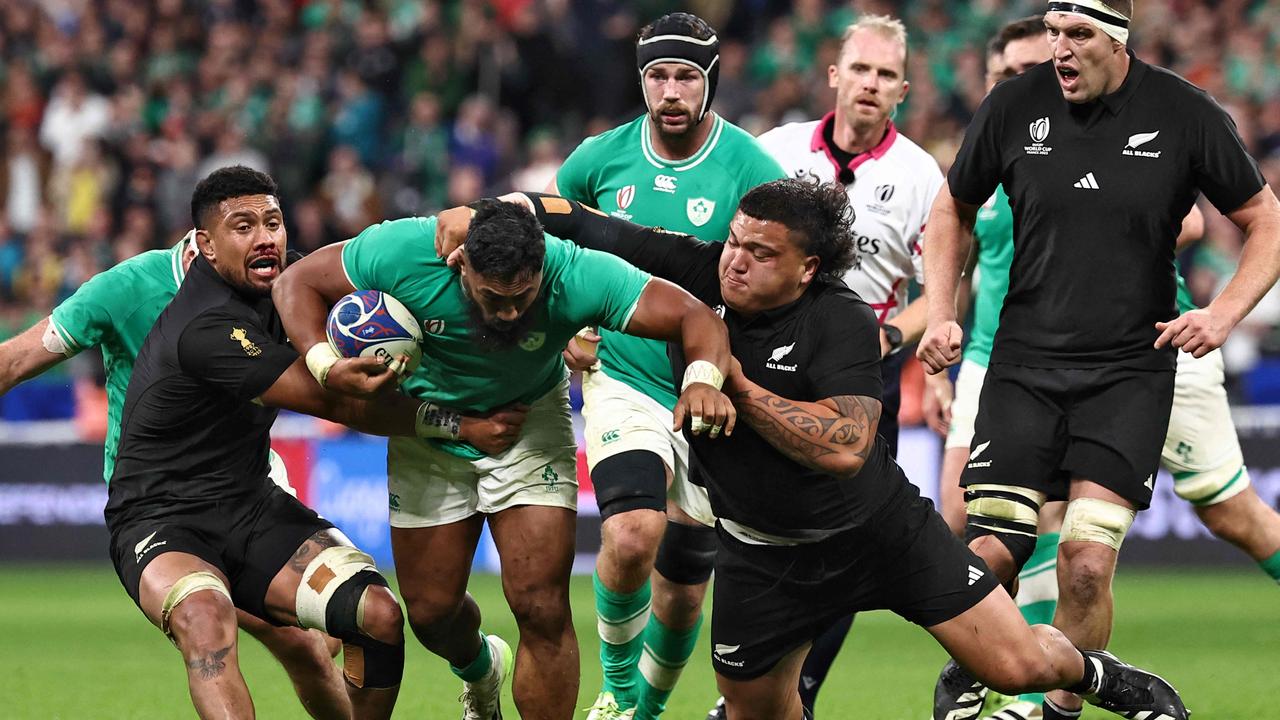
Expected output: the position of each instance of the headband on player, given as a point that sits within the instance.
(704, 55)
(1106, 19)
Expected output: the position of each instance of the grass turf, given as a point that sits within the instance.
(74, 646)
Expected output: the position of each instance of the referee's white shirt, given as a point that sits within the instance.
(894, 186)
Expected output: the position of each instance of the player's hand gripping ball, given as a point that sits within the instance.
(370, 323)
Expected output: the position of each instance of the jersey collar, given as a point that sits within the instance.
(656, 160)
(175, 257)
(819, 143)
(1117, 100)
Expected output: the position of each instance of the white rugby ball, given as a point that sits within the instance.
(371, 323)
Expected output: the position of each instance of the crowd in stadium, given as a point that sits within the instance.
(113, 109)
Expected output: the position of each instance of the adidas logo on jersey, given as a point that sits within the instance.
(1088, 182)
(974, 575)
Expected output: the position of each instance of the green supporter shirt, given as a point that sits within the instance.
(619, 172)
(579, 287)
(993, 231)
(116, 309)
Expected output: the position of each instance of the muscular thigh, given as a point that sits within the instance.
(268, 543)
(536, 545)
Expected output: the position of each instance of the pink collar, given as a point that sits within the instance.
(819, 142)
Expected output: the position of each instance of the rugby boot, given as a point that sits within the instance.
(1018, 710)
(482, 699)
(957, 696)
(606, 708)
(1132, 692)
(718, 712)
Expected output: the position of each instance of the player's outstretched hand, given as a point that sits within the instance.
(1198, 332)
(708, 410)
(496, 431)
(365, 377)
(580, 353)
(940, 346)
(935, 404)
(451, 232)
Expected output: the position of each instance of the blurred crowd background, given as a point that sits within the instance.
(370, 109)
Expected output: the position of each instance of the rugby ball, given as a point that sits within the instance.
(371, 323)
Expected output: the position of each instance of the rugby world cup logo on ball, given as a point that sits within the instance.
(370, 323)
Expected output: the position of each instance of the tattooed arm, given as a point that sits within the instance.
(832, 436)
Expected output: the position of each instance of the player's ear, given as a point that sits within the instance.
(906, 88)
(811, 264)
(833, 76)
(204, 242)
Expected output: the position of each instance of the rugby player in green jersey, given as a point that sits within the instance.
(506, 454)
(682, 167)
(114, 310)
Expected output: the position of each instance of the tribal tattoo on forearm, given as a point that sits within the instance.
(806, 437)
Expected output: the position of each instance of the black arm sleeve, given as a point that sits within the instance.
(682, 259)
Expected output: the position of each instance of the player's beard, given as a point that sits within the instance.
(491, 338)
(655, 117)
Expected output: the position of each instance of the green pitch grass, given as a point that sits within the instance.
(72, 645)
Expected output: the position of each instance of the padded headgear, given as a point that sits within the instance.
(669, 40)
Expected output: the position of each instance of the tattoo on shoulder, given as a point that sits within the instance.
(210, 665)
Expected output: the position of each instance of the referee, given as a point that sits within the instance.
(816, 520)
(1101, 155)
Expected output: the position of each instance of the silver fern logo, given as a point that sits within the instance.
(1137, 140)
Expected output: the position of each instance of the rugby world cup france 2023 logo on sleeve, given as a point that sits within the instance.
(1039, 132)
(369, 323)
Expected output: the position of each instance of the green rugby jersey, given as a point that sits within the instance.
(116, 309)
(619, 172)
(993, 231)
(579, 287)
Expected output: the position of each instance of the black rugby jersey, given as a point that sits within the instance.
(1098, 193)
(825, 344)
(191, 432)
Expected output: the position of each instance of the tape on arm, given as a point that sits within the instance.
(320, 360)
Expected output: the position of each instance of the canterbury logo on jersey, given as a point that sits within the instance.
(665, 183)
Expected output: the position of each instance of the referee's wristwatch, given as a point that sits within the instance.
(893, 335)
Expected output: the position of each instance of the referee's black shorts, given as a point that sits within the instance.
(770, 600)
(249, 541)
(1039, 427)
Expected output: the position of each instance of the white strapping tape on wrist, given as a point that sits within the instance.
(702, 371)
(320, 360)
